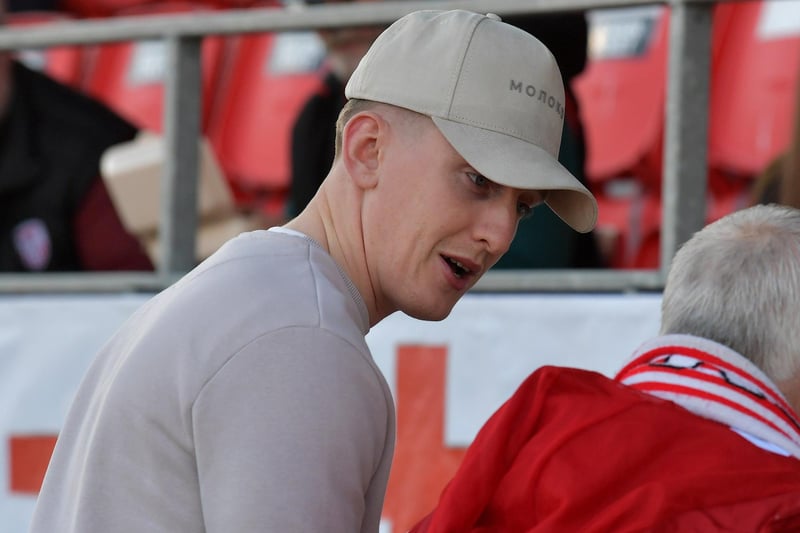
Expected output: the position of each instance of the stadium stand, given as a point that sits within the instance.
(129, 76)
(623, 88)
(622, 96)
(99, 8)
(110, 8)
(269, 77)
(749, 126)
(255, 84)
(253, 87)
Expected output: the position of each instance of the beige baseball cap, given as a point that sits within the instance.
(493, 90)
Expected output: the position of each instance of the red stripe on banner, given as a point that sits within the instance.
(28, 458)
(422, 464)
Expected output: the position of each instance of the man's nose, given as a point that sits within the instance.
(496, 226)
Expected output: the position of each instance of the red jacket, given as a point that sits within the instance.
(574, 451)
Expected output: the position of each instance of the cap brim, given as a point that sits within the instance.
(510, 161)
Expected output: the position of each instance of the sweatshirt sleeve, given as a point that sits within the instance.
(289, 434)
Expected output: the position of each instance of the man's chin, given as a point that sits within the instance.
(430, 315)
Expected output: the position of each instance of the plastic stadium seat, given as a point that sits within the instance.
(110, 8)
(621, 91)
(63, 63)
(755, 57)
(615, 220)
(753, 86)
(232, 4)
(643, 248)
(269, 78)
(621, 94)
(100, 8)
(130, 76)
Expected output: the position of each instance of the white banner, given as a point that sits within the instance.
(495, 341)
(46, 344)
(490, 344)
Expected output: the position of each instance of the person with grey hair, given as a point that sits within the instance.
(699, 431)
(737, 283)
(244, 397)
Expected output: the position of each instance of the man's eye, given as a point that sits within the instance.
(524, 210)
(477, 179)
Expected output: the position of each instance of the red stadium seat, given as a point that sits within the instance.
(753, 87)
(269, 78)
(621, 92)
(110, 8)
(642, 247)
(129, 76)
(63, 63)
(755, 55)
(100, 8)
(232, 4)
(621, 95)
(615, 220)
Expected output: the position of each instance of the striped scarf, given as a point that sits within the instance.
(717, 383)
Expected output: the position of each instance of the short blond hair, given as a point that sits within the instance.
(350, 108)
(399, 115)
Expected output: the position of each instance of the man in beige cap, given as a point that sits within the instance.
(244, 397)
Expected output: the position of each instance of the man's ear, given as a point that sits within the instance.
(361, 147)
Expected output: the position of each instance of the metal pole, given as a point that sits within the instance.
(181, 131)
(686, 139)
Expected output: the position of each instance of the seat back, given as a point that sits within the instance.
(621, 92)
(100, 8)
(130, 76)
(754, 85)
(269, 78)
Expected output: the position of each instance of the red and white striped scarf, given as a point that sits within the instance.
(717, 383)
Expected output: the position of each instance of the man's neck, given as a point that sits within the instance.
(339, 231)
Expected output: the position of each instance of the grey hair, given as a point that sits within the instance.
(737, 282)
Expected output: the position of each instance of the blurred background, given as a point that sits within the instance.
(264, 93)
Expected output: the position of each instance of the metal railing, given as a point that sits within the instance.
(685, 149)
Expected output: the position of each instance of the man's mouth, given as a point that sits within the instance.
(458, 269)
